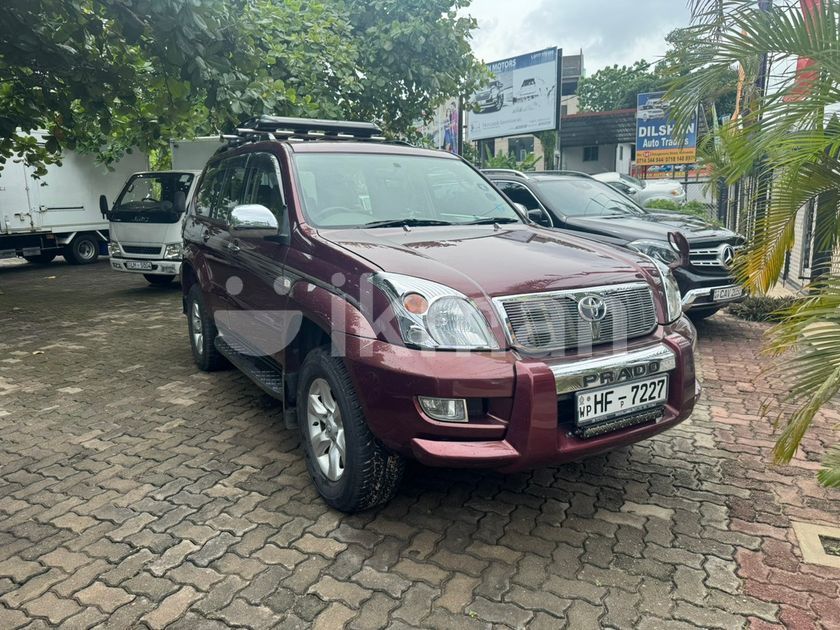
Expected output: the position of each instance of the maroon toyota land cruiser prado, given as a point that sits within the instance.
(401, 307)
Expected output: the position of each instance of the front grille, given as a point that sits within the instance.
(552, 321)
(140, 249)
(710, 256)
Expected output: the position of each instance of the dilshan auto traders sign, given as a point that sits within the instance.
(656, 141)
(520, 98)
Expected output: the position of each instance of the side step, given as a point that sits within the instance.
(265, 373)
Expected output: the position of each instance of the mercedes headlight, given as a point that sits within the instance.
(173, 251)
(434, 316)
(658, 250)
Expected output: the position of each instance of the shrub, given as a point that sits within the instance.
(762, 308)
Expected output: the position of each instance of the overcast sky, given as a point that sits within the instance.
(608, 31)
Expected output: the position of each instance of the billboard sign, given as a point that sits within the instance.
(656, 141)
(441, 131)
(521, 98)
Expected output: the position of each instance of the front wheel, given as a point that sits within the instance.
(158, 279)
(82, 250)
(203, 333)
(351, 469)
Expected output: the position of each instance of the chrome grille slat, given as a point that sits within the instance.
(550, 321)
(708, 256)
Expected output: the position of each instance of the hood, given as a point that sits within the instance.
(662, 184)
(652, 225)
(480, 260)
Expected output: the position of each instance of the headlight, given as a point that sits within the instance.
(114, 249)
(434, 316)
(671, 290)
(658, 250)
(173, 251)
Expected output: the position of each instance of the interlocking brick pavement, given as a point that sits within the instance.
(136, 491)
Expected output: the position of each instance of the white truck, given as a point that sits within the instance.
(146, 217)
(59, 213)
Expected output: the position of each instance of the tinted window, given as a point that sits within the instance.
(586, 198)
(233, 188)
(211, 184)
(519, 194)
(264, 187)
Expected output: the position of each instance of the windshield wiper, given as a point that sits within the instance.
(492, 220)
(402, 222)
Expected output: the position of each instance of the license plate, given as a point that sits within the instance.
(619, 400)
(140, 266)
(727, 294)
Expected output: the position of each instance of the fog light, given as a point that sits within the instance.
(445, 409)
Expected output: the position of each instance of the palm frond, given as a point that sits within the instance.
(829, 476)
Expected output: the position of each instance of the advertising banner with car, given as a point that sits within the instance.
(441, 131)
(521, 97)
(656, 139)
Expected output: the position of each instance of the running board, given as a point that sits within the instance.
(265, 373)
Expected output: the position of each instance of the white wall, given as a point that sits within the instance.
(572, 159)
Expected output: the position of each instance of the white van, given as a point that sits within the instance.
(147, 216)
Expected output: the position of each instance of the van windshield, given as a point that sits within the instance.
(150, 198)
(362, 190)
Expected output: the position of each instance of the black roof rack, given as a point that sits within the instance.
(300, 129)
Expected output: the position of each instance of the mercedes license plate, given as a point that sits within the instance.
(727, 294)
(619, 400)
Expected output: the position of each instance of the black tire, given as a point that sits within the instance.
(158, 279)
(40, 259)
(372, 473)
(205, 354)
(82, 250)
(699, 314)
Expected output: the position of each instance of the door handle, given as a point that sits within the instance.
(205, 235)
(232, 246)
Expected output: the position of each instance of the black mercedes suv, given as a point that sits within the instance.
(578, 202)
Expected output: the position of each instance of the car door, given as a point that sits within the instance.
(263, 321)
(519, 193)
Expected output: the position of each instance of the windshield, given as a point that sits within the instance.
(150, 198)
(632, 180)
(366, 190)
(587, 198)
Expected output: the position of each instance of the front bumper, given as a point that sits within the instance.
(527, 416)
(158, 267)
(698, 289)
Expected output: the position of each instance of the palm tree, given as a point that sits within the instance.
(786, 140)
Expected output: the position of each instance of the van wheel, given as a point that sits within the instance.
(40, 259)
(203, 333)
(82, 250)
(155, 278)
(351, 469)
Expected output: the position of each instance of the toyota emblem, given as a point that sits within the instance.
(726, 254)
(592, 308)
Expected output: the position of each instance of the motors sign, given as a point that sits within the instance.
(656, 141)
(521, 97)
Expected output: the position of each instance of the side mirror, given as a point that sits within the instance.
(103, 206)
(680, 243)
(538, 216)
(253, 220)
(180, 202)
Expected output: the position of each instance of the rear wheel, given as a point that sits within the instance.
(40, 259)
(351, 469)
(203, 333)
(154, 278)
(82, 250)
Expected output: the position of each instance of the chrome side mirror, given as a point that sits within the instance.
(254, 217)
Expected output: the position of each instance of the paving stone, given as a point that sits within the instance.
(416, 604)
(330, 589)
(20, 570)
(33, 587)
(213, 549)
(53, 608)
(171, 608)
(323, 546)
(504, 613)
(241, 613)
(390, 583)
(154, 588)
(106, 598)
(87, 618)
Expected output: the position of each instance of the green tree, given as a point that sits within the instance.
(616, 87)
(784, 136)
(103, 76)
